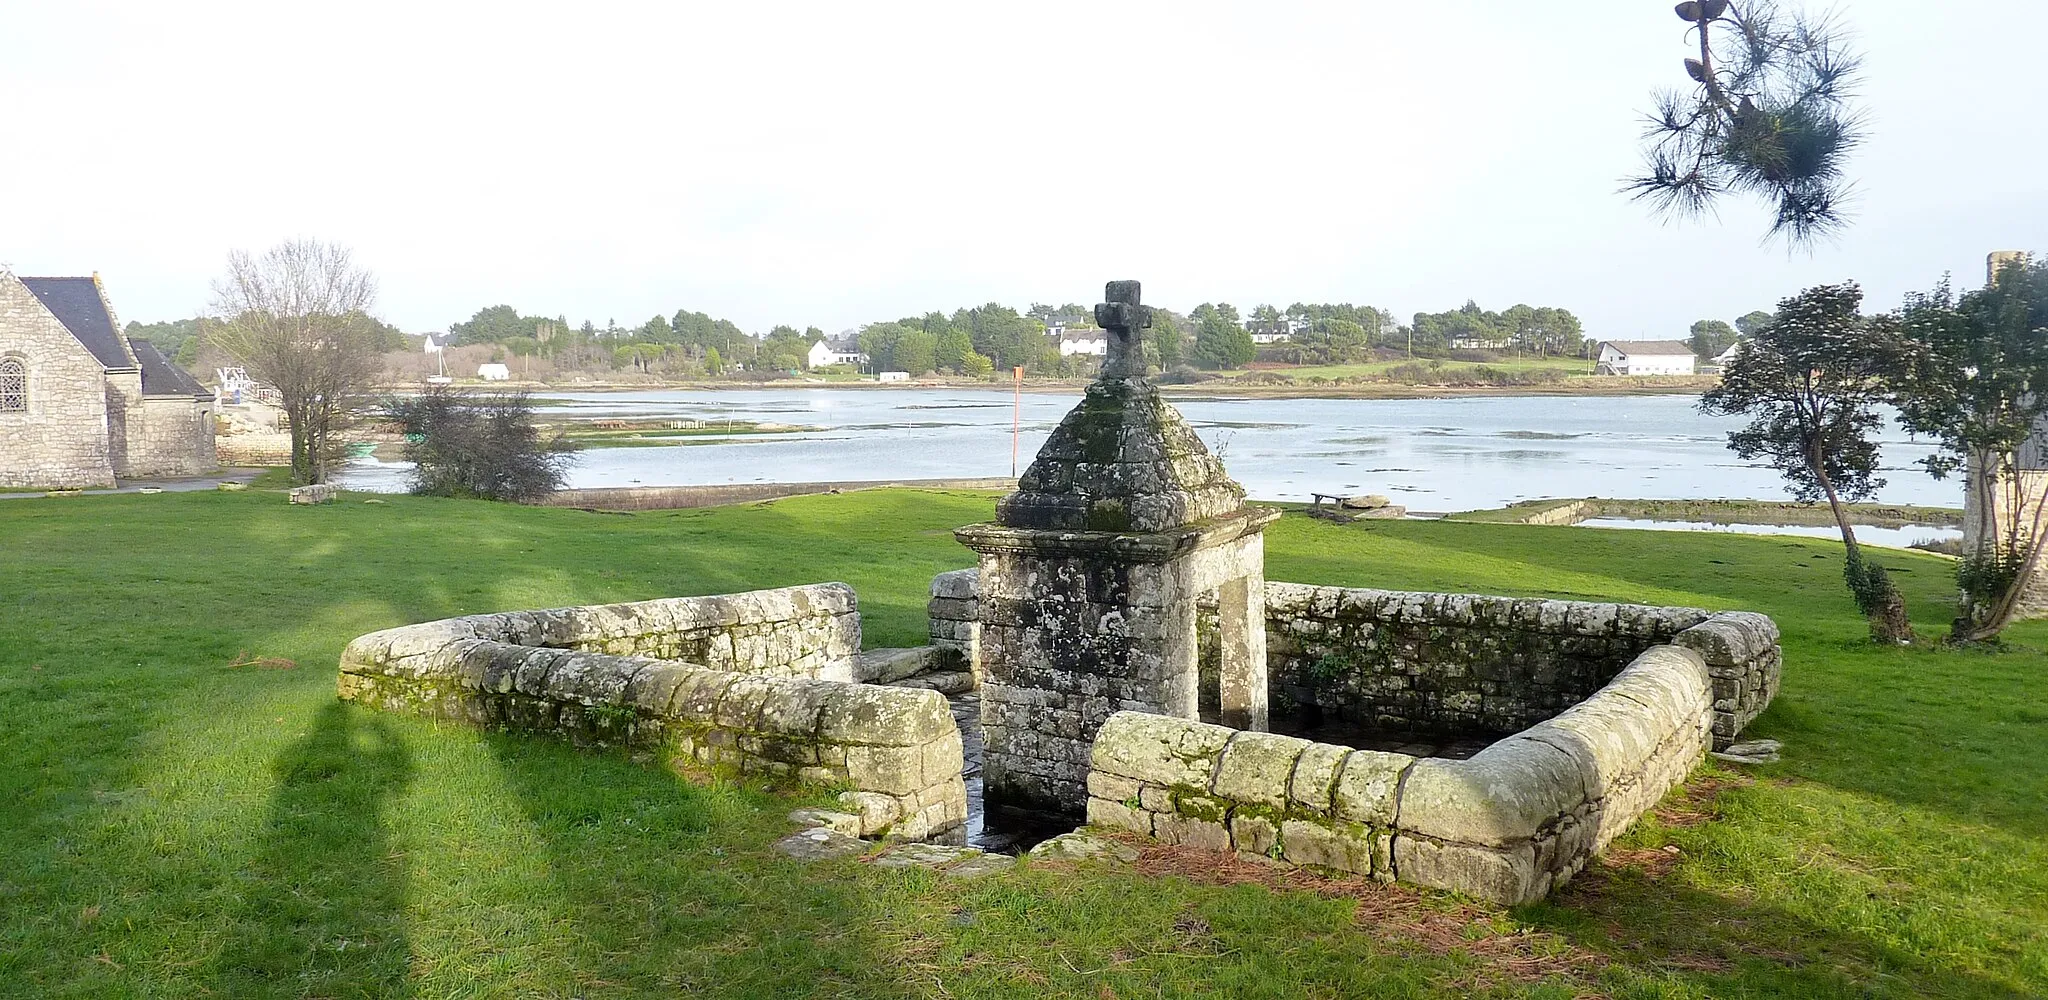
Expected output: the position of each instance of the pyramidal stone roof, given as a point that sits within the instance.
(1123, 460)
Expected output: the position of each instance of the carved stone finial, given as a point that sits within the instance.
(1121, 316)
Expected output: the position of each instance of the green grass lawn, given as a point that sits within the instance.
(187, 814)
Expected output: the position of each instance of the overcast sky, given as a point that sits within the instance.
(834, 164)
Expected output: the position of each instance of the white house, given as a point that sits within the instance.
(1729, 355)
(893, 377)
(493, 372)
(1087, 340)
(845, 351)
(433, 343)
(1644, 357)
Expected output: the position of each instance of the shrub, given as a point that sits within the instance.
(481, 446)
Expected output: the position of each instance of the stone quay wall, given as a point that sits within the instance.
(1462, 663)
(763, 698)
(1507, 825)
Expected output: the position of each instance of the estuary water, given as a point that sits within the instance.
(1429, 454)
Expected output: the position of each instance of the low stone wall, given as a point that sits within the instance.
(763, 693)
(1463, 664)
(811, 631)
(1507, 825)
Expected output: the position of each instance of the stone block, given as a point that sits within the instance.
(1189, 831)
(1114, 813)
(876, 810)
(1158, 749)
(1501, 796)
(1257, 768)
(1112, 787)
(1367, 786)
(653, 689)
(1253, 834)
(896, 770)
(1327, 845)
(963, 584)
(1505, 876)
(885, 716)
(1315, 777)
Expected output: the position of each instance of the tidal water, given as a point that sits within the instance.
(1429, 454)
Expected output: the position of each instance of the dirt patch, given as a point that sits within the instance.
(1695, 802)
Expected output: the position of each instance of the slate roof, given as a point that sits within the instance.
(160, 377)
(77, 304)
(1650, 348)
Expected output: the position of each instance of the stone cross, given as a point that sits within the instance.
(1123, 317)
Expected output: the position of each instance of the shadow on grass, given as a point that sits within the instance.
(322, 903)
(1741, 947)
(668, 888)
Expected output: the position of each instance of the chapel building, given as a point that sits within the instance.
(81, 405)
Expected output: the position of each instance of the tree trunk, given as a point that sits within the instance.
(1876, 597)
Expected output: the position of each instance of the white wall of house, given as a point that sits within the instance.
(1619, 362)
(1071, 345)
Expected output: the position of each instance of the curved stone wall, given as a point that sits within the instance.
(1507, 825)
(760, 695)
(1463, 663)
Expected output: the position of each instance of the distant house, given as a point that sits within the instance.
(836, 351)
(1644, 357)
(1086, 340)
(1729, 355)
(893, 377)
(493, 372)
(1059, 324)
(1276, 330)
(80, 404)
(434, 343)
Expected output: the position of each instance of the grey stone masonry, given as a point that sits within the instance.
(1463, 663)
(612, 676)
(1089, 579)
(954, 617)
(60, 440)
(1516, 820)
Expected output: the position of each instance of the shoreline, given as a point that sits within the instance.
(1587, 385)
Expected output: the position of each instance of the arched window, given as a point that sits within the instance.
(13, 385)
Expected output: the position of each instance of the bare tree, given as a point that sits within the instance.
(1769, 114)
(298, 319)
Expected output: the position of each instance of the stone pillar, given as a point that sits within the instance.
(1241, 634)
(1090, 576)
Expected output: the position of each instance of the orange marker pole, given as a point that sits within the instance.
(1016, 419)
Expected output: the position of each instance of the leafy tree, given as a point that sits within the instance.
(1165, 339)
(1812, 383)
(482, 447)
(298, 319)
(1220, 341)
(1768, 114)
(657, 331)
(976, 365)
(954, 346)
(878, 341)
(917, 352)
(713, 361)
(1749, 324)
(1973, 376)
(1710, 337)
